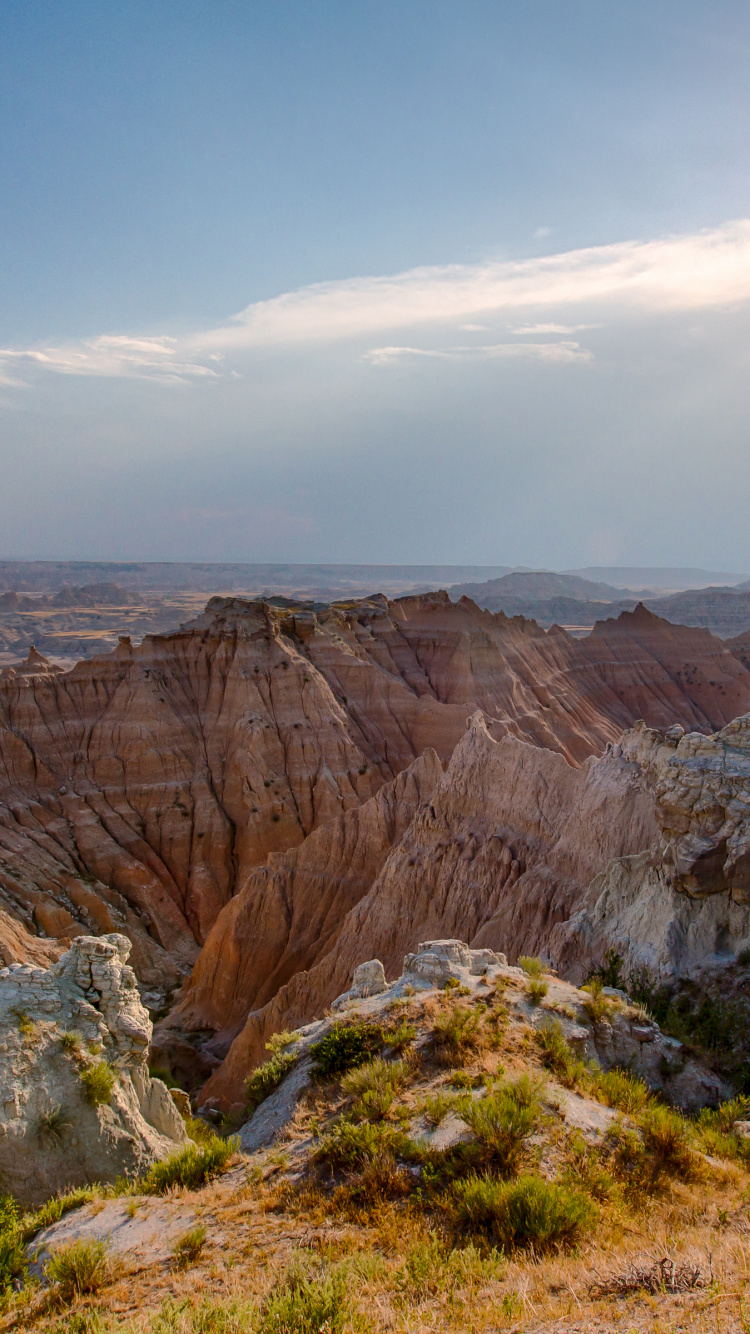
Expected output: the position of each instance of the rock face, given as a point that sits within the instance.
(52, 1137)
(140, 791)
(503, 848)
(685, 901)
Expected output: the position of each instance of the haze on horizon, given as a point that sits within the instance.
(357, 282)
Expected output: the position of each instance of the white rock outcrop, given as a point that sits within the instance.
(55, 1025)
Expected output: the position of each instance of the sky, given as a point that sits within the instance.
(375, 281)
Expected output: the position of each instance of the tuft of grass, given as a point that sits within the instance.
(436, 1106)
(98, 1083)
(52, 1125)
(528, 1212)
(12, 1249)
(374, 1087)
(400, 1036)
(457, 1033)
(714, 1133)
(190, 1167)
(557, 1054)
(266, 1078)
(536, 990)
(188, 1247)
(623, 1090)
(596, 1005)
(346, 1046)
(305, 1302)
(532, 966)
(52, 1210)
(425, 1270)
(503, 1120)
(352, 1146)
(81, 1267)
(72, 1042)
(666, 1140)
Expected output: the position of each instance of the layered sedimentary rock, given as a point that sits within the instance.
(58, 1024)
(140, 791)
(686, 900)
(502, 850)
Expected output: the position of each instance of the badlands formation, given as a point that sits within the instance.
(272, 794)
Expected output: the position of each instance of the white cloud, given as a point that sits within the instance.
(692, 272)
(559, 352)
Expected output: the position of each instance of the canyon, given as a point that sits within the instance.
(264, 797)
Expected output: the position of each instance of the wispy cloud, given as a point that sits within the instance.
(692, 272)
(560, 352)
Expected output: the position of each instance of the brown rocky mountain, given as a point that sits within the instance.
(140, 791)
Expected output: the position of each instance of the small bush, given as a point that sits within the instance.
(352, 1146)
(620, 1089)
(502, 1121)
(12, 1249)
(374, 1087)
(400, 1036)
(190, 1167)
(81, 1267)
(263, 1081)
(72, 1042)
(596, 1005)
(666, 1140)
(345, 1047)
(610, 972)
(536, 991)
(98, 1083)
(457, 1033)
(425, 1270)
(532, 966)
(526, 1212)
(306, 1303)
(26, 1024)
(436, 1106)
(52, 1125)
(189, 1246)
(557, 1054)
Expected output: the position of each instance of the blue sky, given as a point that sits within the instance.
(375, 281)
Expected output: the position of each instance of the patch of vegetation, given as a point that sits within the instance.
(26, 1024)
(306, 1302)
(527, 1212)
(532, 965)
(400, 1036)
(52, 1125)
(536, 990)
(163, 1073)
(52, 1210)
(12, 1248)
(190, 1167)
(557, 1054)
(188, 1247)
(610, 972)
(457, 1033)
(623, 1090)
(716, 1029)
(72, 1042)
(263, 1081)
(98, 1082)
(350, 1145)
(436, 1106)
(596, 1004)
(346, 1046)
(81, 1267)
(374, 1087)
(714, 1133)
(503, 1120)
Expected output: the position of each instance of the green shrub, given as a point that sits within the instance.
(425, 1270)
(189, 1246)
(557, 1054)
(263, 1081)
(189, 1167)
(436, 1106)
(400, 1036)
(666, 1141)
(526, 1212)
(352, 1146)
(374, 1086)
(621, 1089)
(596, 1005)
(536, 990)
(502, 1122)
(52, 1210)
(532, 966)
(457, 1033)
(12, 1249)
(610, 972)
(303, 1302)
(81, 1267)
(98, 1082)
(346, 1046)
